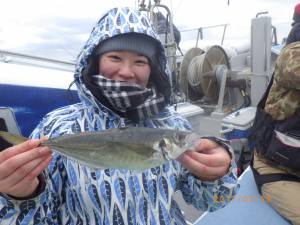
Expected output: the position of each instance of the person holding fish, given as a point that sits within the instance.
(123, 83)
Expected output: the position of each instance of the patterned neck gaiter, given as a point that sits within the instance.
(132, 100)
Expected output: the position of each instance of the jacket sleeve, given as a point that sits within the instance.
(41, 208)
(12, 210)
(209, 195)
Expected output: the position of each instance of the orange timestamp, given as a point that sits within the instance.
(242, 198)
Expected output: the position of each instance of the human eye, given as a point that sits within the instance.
(114, 57)
(142, 62)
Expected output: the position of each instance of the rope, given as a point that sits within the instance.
(193, 73)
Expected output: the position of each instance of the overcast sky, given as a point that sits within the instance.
(58, 28)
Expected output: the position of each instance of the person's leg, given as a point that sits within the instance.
(283, 196)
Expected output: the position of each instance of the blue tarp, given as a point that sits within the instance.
(248, 208)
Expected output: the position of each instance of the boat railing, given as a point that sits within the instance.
(200, 32)
(7, 56)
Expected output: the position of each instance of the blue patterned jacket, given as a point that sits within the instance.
(76, 194)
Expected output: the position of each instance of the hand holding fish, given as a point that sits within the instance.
(209, 161)
(20, 166)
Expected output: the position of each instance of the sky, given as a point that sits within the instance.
(58, 28)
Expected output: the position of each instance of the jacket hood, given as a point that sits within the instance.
(117, 21)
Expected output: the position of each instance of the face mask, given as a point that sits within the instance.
(133, 100)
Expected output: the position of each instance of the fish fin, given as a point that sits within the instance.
(12, 138)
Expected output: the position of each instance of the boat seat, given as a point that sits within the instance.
(7, 123)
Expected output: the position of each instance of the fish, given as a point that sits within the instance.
(132, 148)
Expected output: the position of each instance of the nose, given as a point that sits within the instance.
(126, 71)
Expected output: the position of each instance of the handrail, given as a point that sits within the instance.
(32, 57)
(212, 26)
(200, 31)
(32, 60)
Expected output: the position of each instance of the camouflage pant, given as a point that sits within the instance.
(284, 195)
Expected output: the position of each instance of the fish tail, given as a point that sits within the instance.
(12, 138)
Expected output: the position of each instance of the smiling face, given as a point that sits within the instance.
(125, 66)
